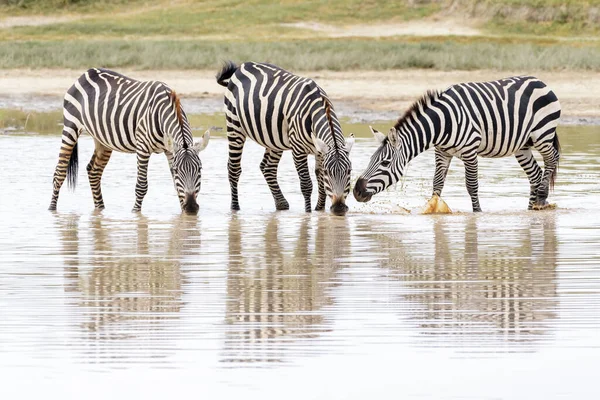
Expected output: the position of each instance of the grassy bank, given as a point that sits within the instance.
(186, 34)
(329, 54)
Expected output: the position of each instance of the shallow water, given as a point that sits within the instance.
(379, 304)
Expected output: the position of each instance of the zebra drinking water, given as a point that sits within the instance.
(487, 119)
(130, 116)
(282, 111)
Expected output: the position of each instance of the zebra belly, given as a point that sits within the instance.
(494, 145)
(111, 142)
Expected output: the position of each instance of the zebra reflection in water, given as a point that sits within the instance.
(126, 283)
(471, 289)
(276, 295)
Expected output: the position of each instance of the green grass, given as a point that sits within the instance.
(537, 17)
(222, 18)
(302, 55)
(38, 122)
(186, 34)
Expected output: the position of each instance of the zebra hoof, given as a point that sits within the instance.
(52, 208)
(282, 206)
(317, 208)
(136, 210)
(235, 208)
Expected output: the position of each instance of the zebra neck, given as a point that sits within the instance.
(415, 141)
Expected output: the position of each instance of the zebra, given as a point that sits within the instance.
(488, 119)
(126, 115)
(282, 111)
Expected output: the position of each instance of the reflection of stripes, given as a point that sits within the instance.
(487, 119)
(125, 115)
(282, 111)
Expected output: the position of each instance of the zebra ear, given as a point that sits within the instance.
(350, 142)
(378, 135)
(170, 144)
(202, 143)
(320, 145)
(393, 137)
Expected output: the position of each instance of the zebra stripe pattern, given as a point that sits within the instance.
(281, 111)
(126, 115)
(487, 119)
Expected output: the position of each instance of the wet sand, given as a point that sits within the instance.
(362, 96)
(259, 303)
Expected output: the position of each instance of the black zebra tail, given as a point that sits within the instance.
(226, 72)
(556, 145)
(73, 168)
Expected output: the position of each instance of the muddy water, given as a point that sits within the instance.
(379, 304)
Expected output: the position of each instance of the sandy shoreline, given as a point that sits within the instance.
(360, 95)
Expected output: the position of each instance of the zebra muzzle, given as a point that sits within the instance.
(361, 193)
(190, 206)
(339, 209)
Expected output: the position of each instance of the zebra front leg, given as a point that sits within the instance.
(67, 165)
(533, 171)
(141, 186)
(471, 179)
(551, 155)
(268, 167)
(95, 168)
(442, 163)
(301, 162)
(169, 156)
(320, 184)
(234, 165)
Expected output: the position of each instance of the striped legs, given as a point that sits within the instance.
(234, 165)
(268, 167)
(67, 158)
(470, 161)
(533, 171)
(306, 186)
(321, 184)
(442, 163)
(141, 186)
(550, 153)
(95, 168)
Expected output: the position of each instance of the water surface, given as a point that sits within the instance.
(259, 303)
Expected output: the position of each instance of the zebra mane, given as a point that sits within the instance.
(330, 121)
(177, 104)
(429, 97)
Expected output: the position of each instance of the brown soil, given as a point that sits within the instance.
(373, 91)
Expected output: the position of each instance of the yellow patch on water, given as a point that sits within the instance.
(551, 206)
(436, 205)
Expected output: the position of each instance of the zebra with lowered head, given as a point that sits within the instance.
(281, 111)
(487, 119)
(126, 115)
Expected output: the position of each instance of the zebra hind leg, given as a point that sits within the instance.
(268, 167)
(533, 171)
(471, 179)
(95, 168)
(301, 162)
(67, 166)
(550, 151)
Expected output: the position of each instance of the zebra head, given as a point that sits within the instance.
(187, 171)
(335, 166)
(385, 168)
